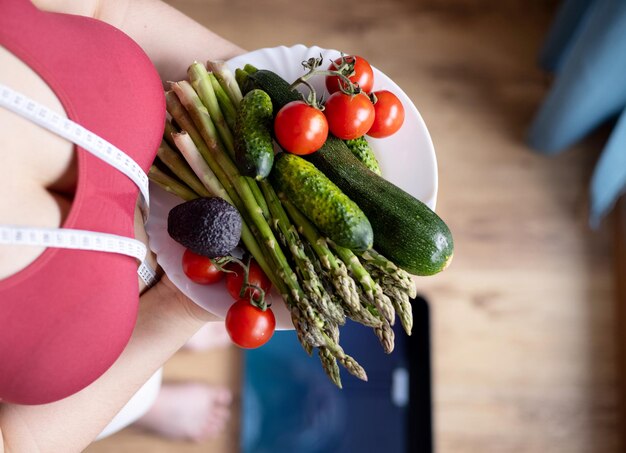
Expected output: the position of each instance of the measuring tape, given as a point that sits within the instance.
(68, 238)
(68, 129)
(107, 152)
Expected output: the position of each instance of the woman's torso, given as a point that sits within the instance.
(65, 315)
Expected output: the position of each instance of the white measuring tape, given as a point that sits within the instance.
(68, 238)
(68, 129)
(71, 238)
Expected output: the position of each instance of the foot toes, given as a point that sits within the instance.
(223, 396)
(220, 414)
(193, 411)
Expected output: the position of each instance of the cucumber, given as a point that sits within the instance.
(278, 88)
(322, 202)
(254, 151)
(406, 231)
(362, 151)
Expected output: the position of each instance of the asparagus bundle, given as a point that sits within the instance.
(345, 286)
(395, 283)
(289, 238)
(330, 282)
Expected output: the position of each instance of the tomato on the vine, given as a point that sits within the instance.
(300, 128)
(200, 269)
(349, 116)
(389, 115)
(256, 277)
(249, 326)
(363, 74)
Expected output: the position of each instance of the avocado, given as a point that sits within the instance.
(208, 226)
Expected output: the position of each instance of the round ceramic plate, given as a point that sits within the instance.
(407, 159)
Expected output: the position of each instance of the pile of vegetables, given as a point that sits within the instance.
(334, 238)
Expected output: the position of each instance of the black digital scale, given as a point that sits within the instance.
(290, 406)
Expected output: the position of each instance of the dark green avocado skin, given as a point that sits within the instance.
(207, 226)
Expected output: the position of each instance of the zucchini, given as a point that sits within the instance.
(322, 202)
(254, 150)
(361, 149)
(406, 231)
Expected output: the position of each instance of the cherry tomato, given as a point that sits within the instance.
(389, 115)
(300, 128)
(249, 326)
(200, 269)
(256, 277)
(349, 116)
(363, 74)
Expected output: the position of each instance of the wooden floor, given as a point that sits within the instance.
(524, 331)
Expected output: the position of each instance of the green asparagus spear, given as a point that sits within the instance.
(383, 330)
(190, 152)
(390, 271)
(402, 305)
(329, 364)
(342, 282)
(396, 283)
(226, 80)
(181, 169)
(199, 78)
(225, 102)
(169, 130)
(170, 184)
(365, 317)
(372, 290)
(385, 336)
(301, 328)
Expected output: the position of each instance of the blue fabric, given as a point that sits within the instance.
(567, 25)
(609, 176)
(587, 47)
(591, 85)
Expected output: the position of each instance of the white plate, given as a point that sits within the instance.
(407, 159)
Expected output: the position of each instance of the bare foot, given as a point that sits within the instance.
(189, 411)
(211, 335)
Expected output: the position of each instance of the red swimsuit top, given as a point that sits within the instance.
(66, 318)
